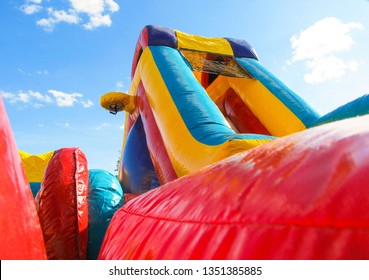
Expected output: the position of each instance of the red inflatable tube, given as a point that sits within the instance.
(62, 205)
(304, 196)
(241, 115)
(159, 155)
(21, 236)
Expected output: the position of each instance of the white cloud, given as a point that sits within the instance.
(14, 98)
(47, 23)
(40, 97)
(87, 104)
(57, 16)
(112, 6)
(30, 9)
(23, 97)
(37, 99)
(97, 21)
(91, 7)
(119, 84)
(319, 45)
(32, 98)
(65, 99)
(63, 16)
(11, 97)
(328, 68)
(90, 13)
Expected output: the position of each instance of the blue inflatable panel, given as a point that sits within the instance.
(35, 187)
(241, 48)
(357, 107)
(139, 175)
(161, 36)
(105, 196)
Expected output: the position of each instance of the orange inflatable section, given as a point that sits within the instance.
(21, 236)
(304, 196)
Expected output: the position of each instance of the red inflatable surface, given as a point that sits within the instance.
(305, 196)
(21, 236)
(62, 205)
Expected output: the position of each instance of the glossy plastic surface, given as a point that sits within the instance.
(21, 236)
(62, 205)
(304, 196)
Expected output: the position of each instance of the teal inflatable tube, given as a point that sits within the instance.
(105, 197)
(357, 107)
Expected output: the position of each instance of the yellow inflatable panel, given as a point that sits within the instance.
(199, 43)
(276, 116)
(35, 165)
(186, 153)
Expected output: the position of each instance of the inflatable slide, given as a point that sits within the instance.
(194, 101)
(229, 163)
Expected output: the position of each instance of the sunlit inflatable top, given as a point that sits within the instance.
(198, 50)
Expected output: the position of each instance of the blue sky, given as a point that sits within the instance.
(59, 57)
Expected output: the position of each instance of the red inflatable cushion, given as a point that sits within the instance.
(305, 196)
(62, 205)
(21, 236)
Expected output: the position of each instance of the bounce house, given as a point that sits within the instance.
(220, 160)
(52, 206)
